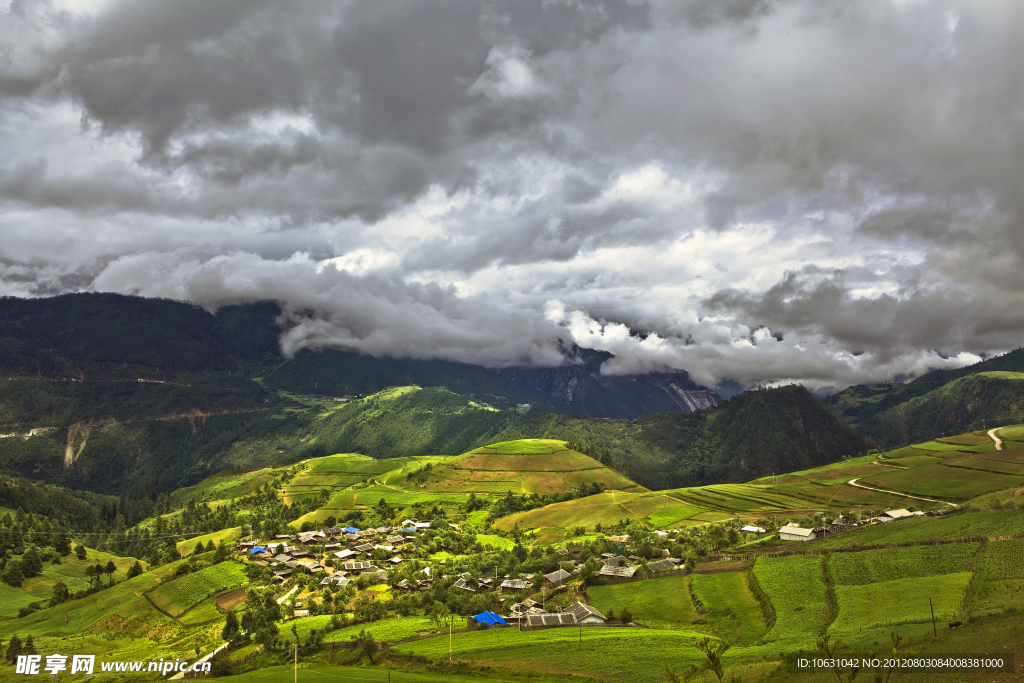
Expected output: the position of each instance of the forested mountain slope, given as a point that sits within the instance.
(861, 403)
(958, 406)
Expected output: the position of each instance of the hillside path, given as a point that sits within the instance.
(992, 435)
(853, 482)
(205, 658)
(281, 600)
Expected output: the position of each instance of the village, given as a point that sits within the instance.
(336, 558)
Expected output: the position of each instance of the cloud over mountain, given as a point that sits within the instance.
(823, 192)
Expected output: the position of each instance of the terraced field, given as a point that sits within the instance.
(938, 481)
(528, 466)
(180, 595)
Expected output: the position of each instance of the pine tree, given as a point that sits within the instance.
(231, 628)
(135, 570)
(60, 594)
(31, 564)
(14, 649)
(30, 647)
(13, 575)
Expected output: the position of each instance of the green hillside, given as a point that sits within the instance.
(865, 406)
(955, 407)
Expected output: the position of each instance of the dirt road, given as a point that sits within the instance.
(853, 482)
(992, 435)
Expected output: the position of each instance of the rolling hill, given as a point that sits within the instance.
(544, 466)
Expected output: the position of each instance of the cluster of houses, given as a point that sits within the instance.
(791, 532)
(351, 548)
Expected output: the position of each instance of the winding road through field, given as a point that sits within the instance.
(992, 435)
(853, 482)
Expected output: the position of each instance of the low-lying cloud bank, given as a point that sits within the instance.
(825, 193)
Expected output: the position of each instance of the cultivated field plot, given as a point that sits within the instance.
(900, 601)
(739, 498)
(1012, 432)
(727, 596)
(523, 447)
(875, 566)
(965, 440)
(385, 630)
(796, 588)
(182, 594)
(1009, 464)
(1008, 455)
(999, 580)
(663, 602)
(233, 599)
(956, 525)
(942, 482)
(563, 461)
(12, 599)
(227, 486)
(604, 508)
(624, 654)
(228, 536)
(835, 472)
(936, 446)
(534, 466)
(122, 603)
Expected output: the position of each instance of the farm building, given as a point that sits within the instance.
(557, 577)
(609, 570)
(548, 619)
(345, 554)
(585, 614)
(489, 618)
(665, 565)
(336, 581)
(613, 560)
(515, 584)
(752, 529)
(461, 583)
(897, 514)
(795, 533)
(361, 567)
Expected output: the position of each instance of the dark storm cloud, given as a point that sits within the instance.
(733, 187)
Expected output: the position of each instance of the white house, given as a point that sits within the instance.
(795, 533)
(585, 614)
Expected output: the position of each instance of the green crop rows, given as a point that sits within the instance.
(180, 595)
(1000, 577)
(900, 601)
(796, 588)
(873, 566)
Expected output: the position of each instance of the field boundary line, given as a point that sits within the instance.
(166, 614)
(831, 599)
(880, 546)
(853, 482)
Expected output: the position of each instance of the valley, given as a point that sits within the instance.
(368, 515)
(358, 558)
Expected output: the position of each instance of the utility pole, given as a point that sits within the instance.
(932, 608)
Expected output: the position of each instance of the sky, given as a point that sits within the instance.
(826, 193)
